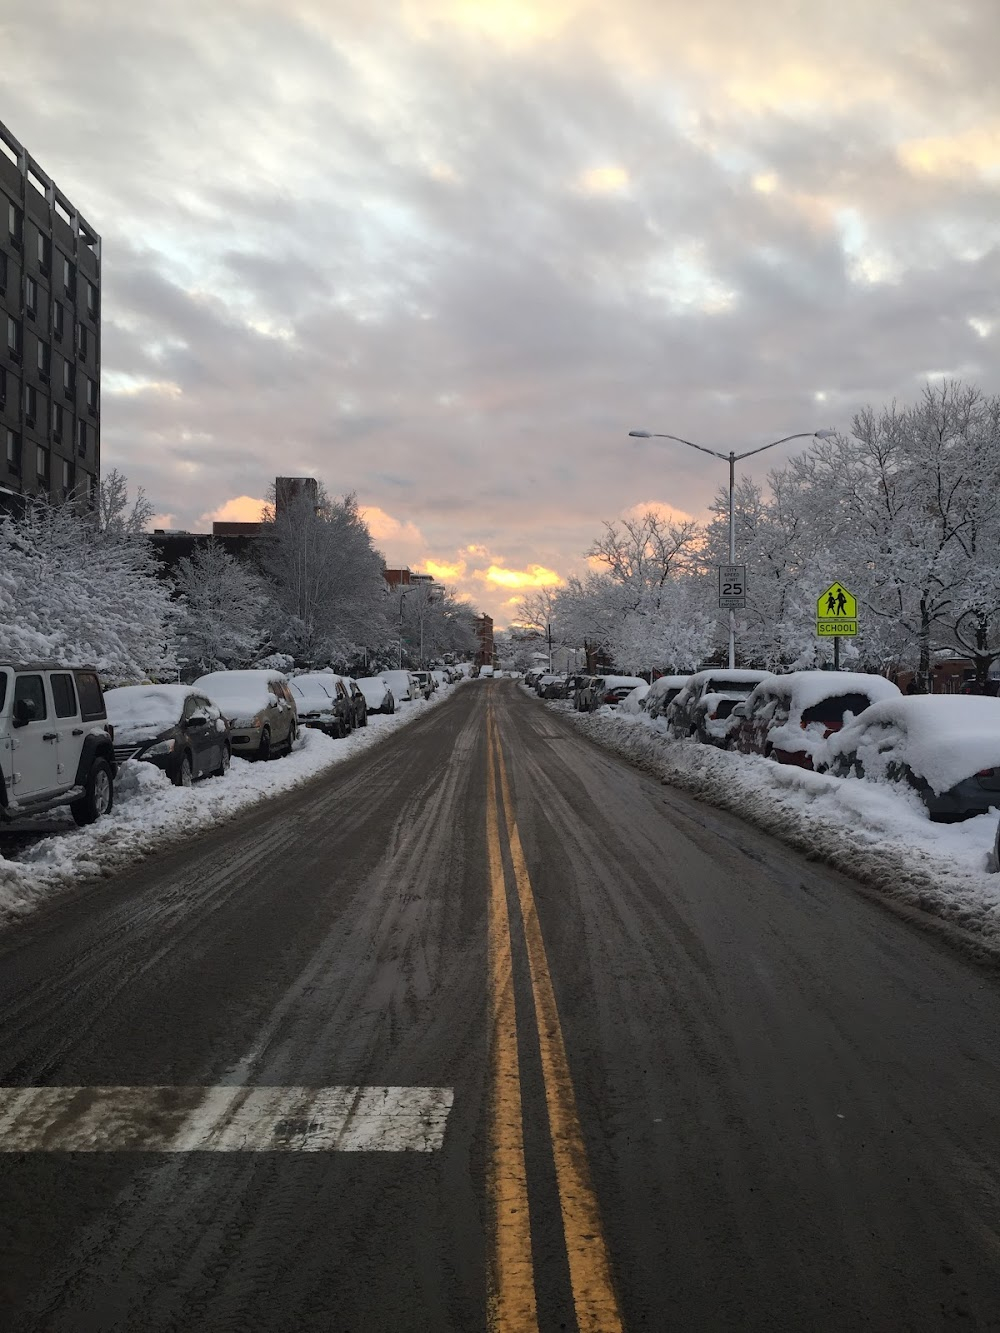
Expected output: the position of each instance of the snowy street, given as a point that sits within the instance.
(879, 833)
(47, 854)
(486, 1027)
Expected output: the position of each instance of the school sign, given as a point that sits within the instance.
(837, 613)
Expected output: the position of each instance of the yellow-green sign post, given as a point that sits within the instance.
(836, 617)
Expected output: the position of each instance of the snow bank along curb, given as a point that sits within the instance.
(878, 833)
(150, 813)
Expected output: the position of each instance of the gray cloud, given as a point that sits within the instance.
(447, 255)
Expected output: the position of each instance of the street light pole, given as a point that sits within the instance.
(402, 599)
(732, 459)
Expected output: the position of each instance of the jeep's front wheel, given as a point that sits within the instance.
(98, 795)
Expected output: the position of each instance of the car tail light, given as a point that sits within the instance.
(109, 728)
(713, 717)
(986, 773)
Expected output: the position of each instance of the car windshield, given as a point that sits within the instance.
(742, 688)
(724, 707)
(830, 712)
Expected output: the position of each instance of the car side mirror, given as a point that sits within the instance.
(24, 712)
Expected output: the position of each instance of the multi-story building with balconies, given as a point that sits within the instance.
(50, 335)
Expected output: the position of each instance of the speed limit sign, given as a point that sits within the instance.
(732, 587)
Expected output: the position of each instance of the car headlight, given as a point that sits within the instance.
(160, 748)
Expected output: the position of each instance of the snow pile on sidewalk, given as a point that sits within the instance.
(150, 813)
(878, 833)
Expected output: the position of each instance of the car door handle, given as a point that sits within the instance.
(50, 736)
(78, 731)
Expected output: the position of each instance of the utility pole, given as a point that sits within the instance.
(548, 631)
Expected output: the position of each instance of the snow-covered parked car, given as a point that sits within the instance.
(551, 685)
(176, 727)
(322, 704)
(702, 705)
(610, 690)
(357, 700)
(663, 692)
(945, 746)
(378, 694)
(259, 708)
(55, 742)
(404, 687)
(425, 682)
(790, 718)
(636, 701)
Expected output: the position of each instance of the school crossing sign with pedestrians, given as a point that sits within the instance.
(837, 612)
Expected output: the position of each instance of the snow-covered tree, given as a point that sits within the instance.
(638, 607)
(224, 604)
(327, 591)
(81, 587)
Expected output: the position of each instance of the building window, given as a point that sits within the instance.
(69, 279)
(69, 379)
(15, 225)
(91, 300)
(91, 396)
(81, 438)
(31, 296)
(42, 464)
(30, 404)
(81, 340)
(44, 253)
(3, 387)
(58, 321)
(57, 421)
(13, 451)
(68, 478)
(44, 360)
(14, 337)
(3, 272)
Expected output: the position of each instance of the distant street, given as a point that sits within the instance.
(485, 1028)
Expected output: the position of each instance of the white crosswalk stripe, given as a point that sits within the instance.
(223, 1119)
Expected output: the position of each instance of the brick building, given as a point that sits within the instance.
(484, 636)
(50, 335)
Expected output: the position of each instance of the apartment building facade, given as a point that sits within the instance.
(50, 335)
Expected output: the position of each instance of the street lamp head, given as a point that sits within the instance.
(825, 434)
(641, 434)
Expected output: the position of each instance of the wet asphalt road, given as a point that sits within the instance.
(730, 1091)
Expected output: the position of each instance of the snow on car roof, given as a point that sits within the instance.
(238, 687)
(664, 683)
(944, 738)
(806, 689)
(157, 706)
(613, 682)
(724, 673)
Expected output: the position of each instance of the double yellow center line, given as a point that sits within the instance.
(512, 1300)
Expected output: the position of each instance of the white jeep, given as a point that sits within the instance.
(56, 747)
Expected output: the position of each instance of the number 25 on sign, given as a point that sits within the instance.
(732, 587)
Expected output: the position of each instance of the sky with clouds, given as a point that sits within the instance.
(446, 253)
